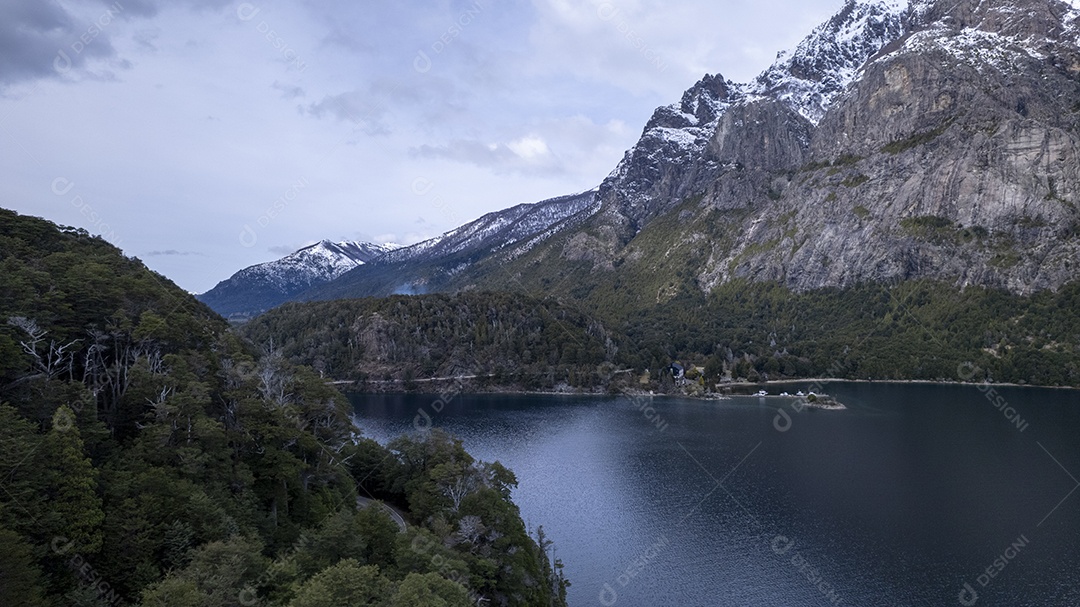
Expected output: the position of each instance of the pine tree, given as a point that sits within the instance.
(73, 507)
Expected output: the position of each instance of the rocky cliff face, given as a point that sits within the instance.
(898, 141)
(953, 156)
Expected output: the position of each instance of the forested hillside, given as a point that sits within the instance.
(742, 331)
(495, 338)
(150, 456)
(909, 330)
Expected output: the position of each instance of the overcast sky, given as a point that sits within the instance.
(203, 136)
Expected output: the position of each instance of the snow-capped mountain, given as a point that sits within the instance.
(431, 264)
(260, 287)
(320, 262)
(809, 78)
(499, 230)
(901, 139)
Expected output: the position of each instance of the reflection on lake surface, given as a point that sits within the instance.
(915, 495)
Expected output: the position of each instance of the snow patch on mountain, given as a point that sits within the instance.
(976, 48)
(320, 262)
(1072, 21)
(811, 77)
(497, 230)
(694, 139)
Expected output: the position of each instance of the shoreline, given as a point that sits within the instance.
(935, 382)
(828, 404)
(343, 384)
(455, 386)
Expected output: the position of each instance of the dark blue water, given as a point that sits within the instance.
(902, 499)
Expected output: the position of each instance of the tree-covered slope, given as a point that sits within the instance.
(921, 330)
(494, 338)
(149, 456)
(907, 330)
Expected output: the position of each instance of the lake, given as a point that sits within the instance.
(917, 494)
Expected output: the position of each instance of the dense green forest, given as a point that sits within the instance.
(741, 331)
(150, 456)
(909, 330)
(500, 338)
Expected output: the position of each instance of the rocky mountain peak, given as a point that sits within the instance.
(262, 286)
(1022, 19)
(699, 107)
(705, 99)
(812, 75)
(899, 139)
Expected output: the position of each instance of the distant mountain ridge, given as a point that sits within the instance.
(324, 270)
(263, 286)
(433, 264)
(900, 140)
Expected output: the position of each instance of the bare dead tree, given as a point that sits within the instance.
(47, 360)
(273, 378)
(471, 530)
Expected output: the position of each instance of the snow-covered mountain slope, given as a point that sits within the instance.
(811, 76)
(260, 287)
(498, 230)
(429, 265)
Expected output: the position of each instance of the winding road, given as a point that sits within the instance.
(364, 502)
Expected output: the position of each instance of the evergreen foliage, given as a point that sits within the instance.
(741, 330)
(500, 338)
(150, 456)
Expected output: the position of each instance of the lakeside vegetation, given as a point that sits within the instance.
(150, 456)
(743, 331)
(913, 330)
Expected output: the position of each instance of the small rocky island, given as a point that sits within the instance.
(822, 401)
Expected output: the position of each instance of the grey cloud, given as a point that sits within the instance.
(464, 150)
(500, 157)
(40, 39)
(150, 8)
(146, 37)
(429, 102)
(288, 91)
(347, 39)
(363, 109)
